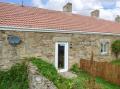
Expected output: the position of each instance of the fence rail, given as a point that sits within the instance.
(105, 70)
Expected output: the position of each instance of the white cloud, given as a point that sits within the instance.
(83, 7)
(55, 4)
(38, 3)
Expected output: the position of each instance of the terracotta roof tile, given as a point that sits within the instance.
(31, 17)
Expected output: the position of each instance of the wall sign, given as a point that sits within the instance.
(88, 43)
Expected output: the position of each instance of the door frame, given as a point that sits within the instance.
(65, 57)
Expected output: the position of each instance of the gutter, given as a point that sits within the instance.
(25, 29)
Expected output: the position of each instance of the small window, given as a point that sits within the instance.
(104, 48)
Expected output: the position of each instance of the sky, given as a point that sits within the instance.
(108, 8)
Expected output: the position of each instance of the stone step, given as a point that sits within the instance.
(68, 74)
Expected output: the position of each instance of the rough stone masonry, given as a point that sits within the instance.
(41, 44)
(37, 81)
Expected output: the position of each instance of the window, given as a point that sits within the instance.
(104, 47)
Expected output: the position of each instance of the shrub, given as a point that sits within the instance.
(15, 78)
(116, 48)
(75, 68)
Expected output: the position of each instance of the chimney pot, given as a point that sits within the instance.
(117, 19)
(68, 7)
(95, 13)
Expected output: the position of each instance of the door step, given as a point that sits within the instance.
(68, 74)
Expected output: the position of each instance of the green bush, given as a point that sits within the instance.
(116, 48)
(15, 78)
(75, 68)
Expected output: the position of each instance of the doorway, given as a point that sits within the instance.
(61, 56)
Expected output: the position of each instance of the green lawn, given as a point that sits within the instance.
(99, 81)
(84, 76)
(105, 84)
(116, 62)
(81, 82)
(15, 78)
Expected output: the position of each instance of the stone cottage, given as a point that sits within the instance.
(59, 37)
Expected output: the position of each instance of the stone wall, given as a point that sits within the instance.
(43, 45)
(37, 81)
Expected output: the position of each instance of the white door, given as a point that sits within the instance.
(61, 56)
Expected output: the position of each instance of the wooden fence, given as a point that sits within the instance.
(105, 70)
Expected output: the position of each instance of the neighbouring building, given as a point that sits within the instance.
(61, 38)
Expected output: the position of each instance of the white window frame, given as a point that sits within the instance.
(104, 47)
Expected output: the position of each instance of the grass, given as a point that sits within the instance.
(106, 84)
(49, 71)
(116, 62)
(15, 78)
(81, 82)
(84, 76)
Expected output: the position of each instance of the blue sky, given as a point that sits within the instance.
(44, 1)
(26, 2)
(79, 6)
(109, 4)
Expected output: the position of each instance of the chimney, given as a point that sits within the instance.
(95, 13)
(68, 7)
(117, 19)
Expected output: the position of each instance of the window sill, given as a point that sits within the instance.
(104, 54)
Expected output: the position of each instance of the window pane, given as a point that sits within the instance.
(61, 56)
(105, 47)
(101, 47)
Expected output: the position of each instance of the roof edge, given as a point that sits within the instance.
(26, 29)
